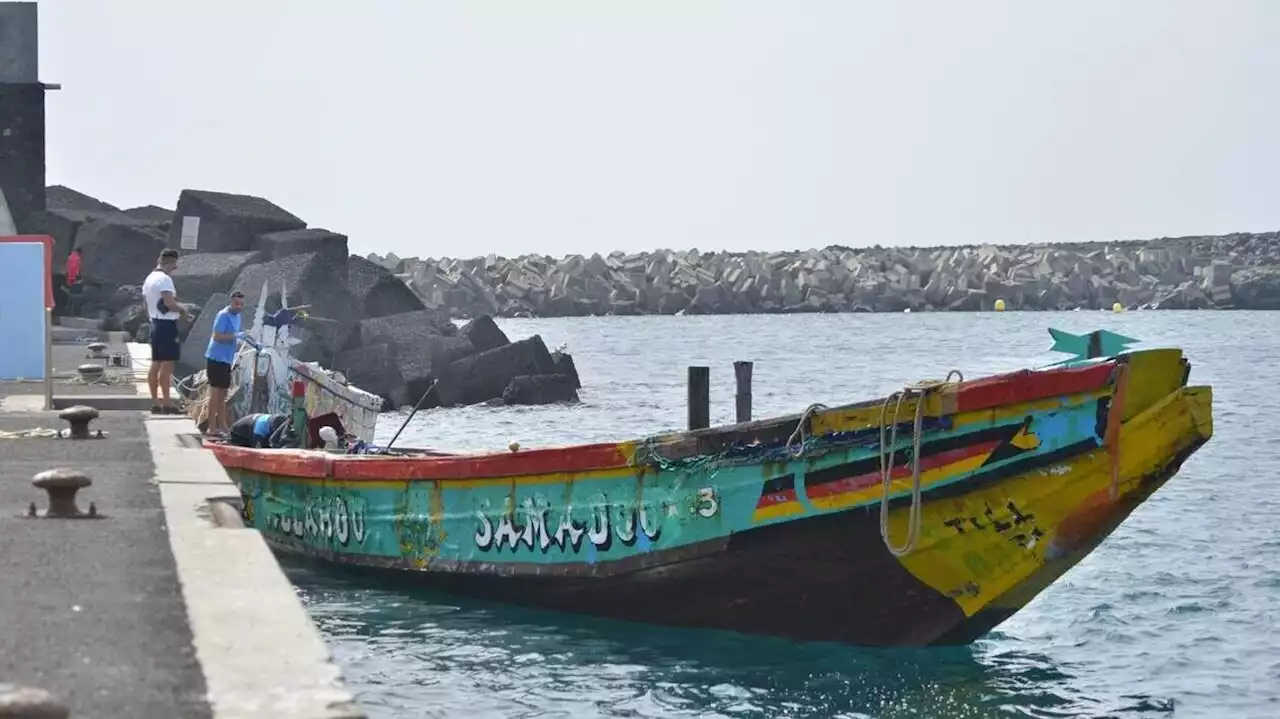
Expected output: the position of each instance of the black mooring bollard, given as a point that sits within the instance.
(699, 397)
(742, 400)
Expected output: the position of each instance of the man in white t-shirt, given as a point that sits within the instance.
(164, 311)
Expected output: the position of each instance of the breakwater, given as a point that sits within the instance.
(1235, 271)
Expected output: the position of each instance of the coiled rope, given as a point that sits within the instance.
(36, 433)
(919, 390)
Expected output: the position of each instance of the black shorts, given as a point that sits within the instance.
(164, 341)
(218, 373)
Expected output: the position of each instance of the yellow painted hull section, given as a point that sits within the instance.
(1000, 544)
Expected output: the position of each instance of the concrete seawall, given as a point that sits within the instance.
(1238, 271)
(152, 610)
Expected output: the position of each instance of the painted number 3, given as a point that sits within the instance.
(707, 505)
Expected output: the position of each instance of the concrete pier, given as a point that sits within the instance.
(150, 610)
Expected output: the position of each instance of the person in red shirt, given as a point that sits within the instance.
(74, 281)
(73, 267)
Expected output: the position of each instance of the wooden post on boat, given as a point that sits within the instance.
(742, 400)
(699, 397)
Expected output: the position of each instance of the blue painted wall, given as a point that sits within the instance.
(22, 314)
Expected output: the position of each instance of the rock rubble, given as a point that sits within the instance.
(1212, 272)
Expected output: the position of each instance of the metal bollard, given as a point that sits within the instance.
(30, 703)
(61, 485)
(91, 372)
(79, 417)
(97, 350)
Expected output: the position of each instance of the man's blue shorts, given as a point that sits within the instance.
(164, 341)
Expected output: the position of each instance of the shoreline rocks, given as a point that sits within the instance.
(1203, 272)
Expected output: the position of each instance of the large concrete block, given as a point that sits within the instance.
(426, 357)
(151, 215)
(563, 363)
(118, 253)
(483, 333)
(229, 223)
(539, 389)
(377, 292)
(63, 224)
(1257, 288)
(275, 245)
(320, 339)
(484, 376)
(373, 369)
(204, 273)
(399, 329)
(60, 197)
(312, 279)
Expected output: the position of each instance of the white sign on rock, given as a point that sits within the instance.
(190, 233)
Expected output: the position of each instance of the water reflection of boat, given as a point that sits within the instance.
(597, 666)
(925, 518)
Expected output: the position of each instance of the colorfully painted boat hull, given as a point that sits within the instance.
(771, 527)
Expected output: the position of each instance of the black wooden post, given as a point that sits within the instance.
(699, 397)
(742, 400)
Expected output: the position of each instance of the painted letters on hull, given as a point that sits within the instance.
(419, 522)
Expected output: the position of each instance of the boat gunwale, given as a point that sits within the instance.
(978, 394)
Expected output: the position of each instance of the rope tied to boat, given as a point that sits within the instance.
(919, 390)
(802, 429)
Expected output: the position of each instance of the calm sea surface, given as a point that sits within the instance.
(1175, 615)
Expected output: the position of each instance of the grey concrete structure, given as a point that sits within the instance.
(151, 610)
(1240, 271)
(22, 170)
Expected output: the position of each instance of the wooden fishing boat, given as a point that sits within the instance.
(925, 518)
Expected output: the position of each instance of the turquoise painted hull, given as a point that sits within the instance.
(584, 524)
(783, 527)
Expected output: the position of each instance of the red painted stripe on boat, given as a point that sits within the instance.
(768, 500)
(272, 461)
(316, 466)
(509, 464)
(1030, 385)
(870, 479)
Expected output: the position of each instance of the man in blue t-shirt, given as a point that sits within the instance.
(262, 431)
(219, 357)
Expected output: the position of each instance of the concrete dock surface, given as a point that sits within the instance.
(150, 610)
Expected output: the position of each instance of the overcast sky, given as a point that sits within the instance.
(472, 126)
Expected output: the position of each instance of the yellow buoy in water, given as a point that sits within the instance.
(999, 305)
(1117, 307)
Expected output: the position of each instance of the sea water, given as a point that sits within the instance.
(1174, 615)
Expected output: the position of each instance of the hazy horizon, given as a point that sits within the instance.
(474, 127)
